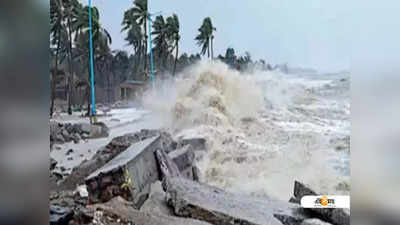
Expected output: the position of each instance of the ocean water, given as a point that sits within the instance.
(263, 129)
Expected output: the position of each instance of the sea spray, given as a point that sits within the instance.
(264, 129)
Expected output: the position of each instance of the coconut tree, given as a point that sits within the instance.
(173, 34)
(100, 36)
(230, 56)
(205, 37)
(70, 9)
(139, 14)
(161, 45)
(56, 30)
(134, 37)
(203, 42)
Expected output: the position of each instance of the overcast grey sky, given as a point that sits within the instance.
(321, 34)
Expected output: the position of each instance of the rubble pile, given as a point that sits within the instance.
(66, 132)
(147, 178)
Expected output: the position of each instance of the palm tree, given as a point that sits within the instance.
(206, 36)
(138, 14)
(56, 30)
(81, 24)
(101, 38)
(173, 33)
(203, 41)
(134, 37)
(230, 56)
(161, 45)
(70, 13)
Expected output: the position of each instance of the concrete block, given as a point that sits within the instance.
(129, 174)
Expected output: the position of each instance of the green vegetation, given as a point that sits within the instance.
(69, 51)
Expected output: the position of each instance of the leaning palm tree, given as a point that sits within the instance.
(203, 41)
(205, 37)
(138, 14)
(173, 33)
(135, 38)
(161, 45)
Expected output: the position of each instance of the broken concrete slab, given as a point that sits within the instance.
(99, 130)
(301, 190)
(197, 144)
(125, 211)
(156, 203)
(167, 167)
(129, 174)
(105, 154)
(184, 159)
(335, 216)
(207, 203)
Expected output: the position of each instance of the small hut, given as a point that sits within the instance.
(130, 89)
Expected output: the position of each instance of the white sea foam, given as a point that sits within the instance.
(264, 129)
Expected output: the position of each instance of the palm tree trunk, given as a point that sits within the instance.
(70, 77)
(138, 58)
(54, 80)
(176, 57)
(88, 93)
(212, 50)
(145, 44)
(208, 49)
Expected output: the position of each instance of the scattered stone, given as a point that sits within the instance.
(54, 178)
(65, 132)
(60, 215)
(82, 191)
(294, 200)
(53, 164)
(206, 203)
(85, 128)
(76, 138)
(196, 173)
(314, 221)
(99, 130)
(60, 138)
(85, 136)
(69, 152)
(288, 220)
(336, 216)
(125, 211)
